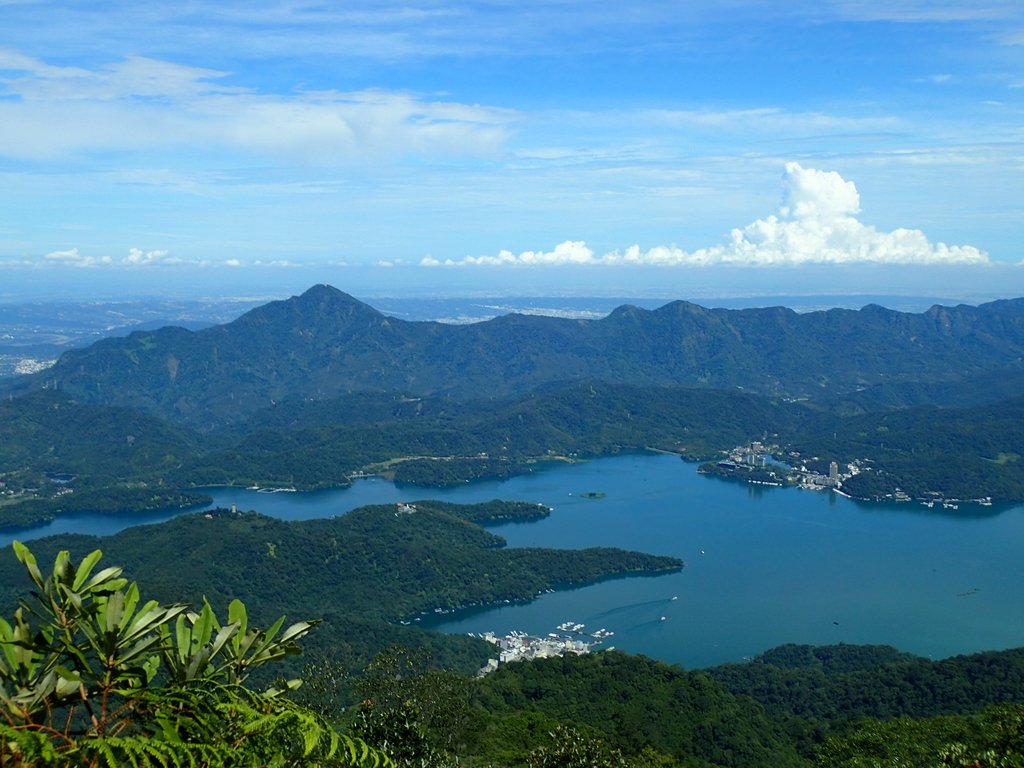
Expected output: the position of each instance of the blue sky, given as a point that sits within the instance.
(677, 149)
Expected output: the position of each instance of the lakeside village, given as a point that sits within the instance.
(756, 464)
(519, 646)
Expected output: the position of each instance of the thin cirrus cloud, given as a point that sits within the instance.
(817, 223)
(146, 104)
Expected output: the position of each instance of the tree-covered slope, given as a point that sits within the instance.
(47, 431)
(841, 684)
(841, 705)
(636, 702)
(483, 438)
(58, 455)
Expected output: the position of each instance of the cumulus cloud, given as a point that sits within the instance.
(569, 252)
(816, 224)
(138, 258)
(73, 258)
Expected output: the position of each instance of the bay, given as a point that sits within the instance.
(765, 566)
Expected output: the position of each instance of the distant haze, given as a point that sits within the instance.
(946, 284)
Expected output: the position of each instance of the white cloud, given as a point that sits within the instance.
(816, 224)
(569, 252)
(140, 103)
(136, 76)
(768, 120)
(73, 258)
(138, 258)
(811, 194)
(276, 264)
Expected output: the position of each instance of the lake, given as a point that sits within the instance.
(765, 566)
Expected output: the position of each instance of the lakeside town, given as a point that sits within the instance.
(517, 646)
(756, 464)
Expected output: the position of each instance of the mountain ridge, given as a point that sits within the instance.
(324, 342)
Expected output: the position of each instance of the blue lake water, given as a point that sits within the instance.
(765, 566)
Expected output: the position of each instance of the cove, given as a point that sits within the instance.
(765, 566)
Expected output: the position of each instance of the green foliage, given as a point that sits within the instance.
(91, 675)
(994, 737)
(439, 473)
(636, 704)
(201, 647)
(845, 683)
(818, 692)
(50, 432)
(570, 749)
(494, 511)
(58, 456)
(416, 714)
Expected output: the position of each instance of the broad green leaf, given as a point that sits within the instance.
(85, 568)
(7, 642)
(273, 629)
(62, 567)
(107, 578)
(140, 648)
(131, 599)
(222, 638)
(150, 619)
(198, 662)
(182, 638)
(68, 681)
(238, 615)
(203, 627)
(151, 666)
(297, 630)
(26, 558)
(112, 612)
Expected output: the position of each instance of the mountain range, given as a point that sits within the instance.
(325, 343)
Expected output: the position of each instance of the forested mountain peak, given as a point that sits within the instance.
(321, 305)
